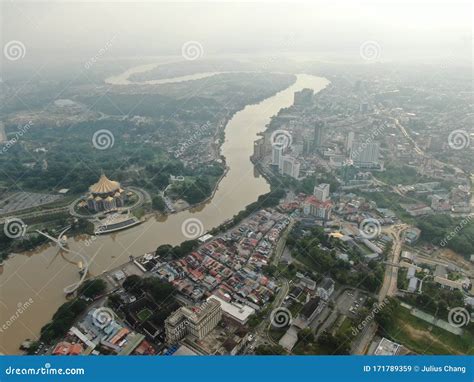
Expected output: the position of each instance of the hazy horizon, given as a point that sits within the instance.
(65, 31)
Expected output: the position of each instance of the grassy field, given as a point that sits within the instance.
(346, 328)
(144, 314)
(423, 338)
(295, 308)
(313, 349)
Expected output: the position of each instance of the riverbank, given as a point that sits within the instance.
(43, 274)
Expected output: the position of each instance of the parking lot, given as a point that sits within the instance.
(350, 301)
(23, 200)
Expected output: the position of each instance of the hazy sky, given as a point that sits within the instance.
(79, 29)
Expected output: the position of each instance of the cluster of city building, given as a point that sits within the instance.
(230, 265)
(446, 275)
(316, 299)
(348, 130)
(211, 327)
(222, 284)
(456, 200)
(314, 142)
(100, 331)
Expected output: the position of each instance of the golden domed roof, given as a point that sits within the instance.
(104, 186)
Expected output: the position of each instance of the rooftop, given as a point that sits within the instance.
(387, 347)
(239, 312)
(327, 283)
(184, 350)
(104, 186)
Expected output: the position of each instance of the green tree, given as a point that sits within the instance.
(269, 350)
(133, 284)
(62, 320)
(158, 203)
(306, 336)
(93, 288)
(159, 290)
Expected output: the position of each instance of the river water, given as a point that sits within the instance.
(42, 275)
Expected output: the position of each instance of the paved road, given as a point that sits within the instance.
(389, 286)
(3, 136)
(282, 243)
(143, 197)
(35, 214)
(362, 342)
(261, 331)
(407, 136)
(417, 148)
(282, 293)
(331, 318)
